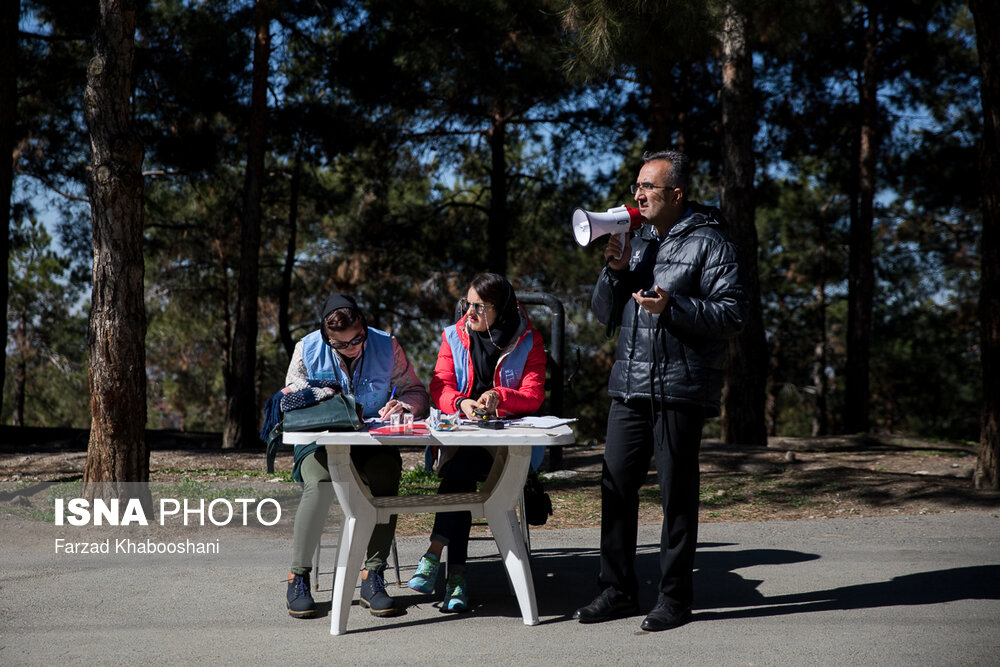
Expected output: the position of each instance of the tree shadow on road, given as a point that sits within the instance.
(566, 579)
(979, 582)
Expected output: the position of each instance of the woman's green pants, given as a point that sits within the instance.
(379, 468)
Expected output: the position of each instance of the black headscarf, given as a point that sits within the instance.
(335, 302)
(487, 346)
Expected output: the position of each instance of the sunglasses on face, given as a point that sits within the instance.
(357, 340)
(480, 308)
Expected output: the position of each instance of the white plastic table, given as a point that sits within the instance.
(495, 502)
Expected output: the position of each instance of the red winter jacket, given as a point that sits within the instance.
(523, 399)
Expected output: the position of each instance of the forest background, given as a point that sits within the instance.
(279, 151)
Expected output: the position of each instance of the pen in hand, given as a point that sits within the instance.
(386, 409)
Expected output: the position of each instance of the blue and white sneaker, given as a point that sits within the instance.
(423, 579)
(454, 596)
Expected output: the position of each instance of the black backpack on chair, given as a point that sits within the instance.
(537, 504)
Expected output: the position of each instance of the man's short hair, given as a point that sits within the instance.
(680, 166)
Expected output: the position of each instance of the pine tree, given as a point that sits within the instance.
(118, 451)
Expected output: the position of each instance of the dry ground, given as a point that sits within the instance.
(793, 478)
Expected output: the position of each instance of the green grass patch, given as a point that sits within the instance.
(649, 494)
(418, 482)
(41, 506)
(283, 475)
(189, 488)
(46, 510)
(727, 492)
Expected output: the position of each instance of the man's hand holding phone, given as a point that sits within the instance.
(653, 301)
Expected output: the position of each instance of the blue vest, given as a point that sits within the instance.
(510, 368)
(372, 381)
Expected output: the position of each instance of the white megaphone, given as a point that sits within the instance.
(589, 226)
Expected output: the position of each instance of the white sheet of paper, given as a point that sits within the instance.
(542, 422)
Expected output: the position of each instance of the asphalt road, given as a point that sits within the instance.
(888, 591)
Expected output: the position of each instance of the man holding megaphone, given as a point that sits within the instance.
(673, 285)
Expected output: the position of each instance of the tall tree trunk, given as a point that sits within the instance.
(8, 124)
(821, 351)
(659, 110)
(667, 128)
(987, 475)
(820, 424)
(776, 373)
(116, 338)
(861, 272)
(241, 417)
(20, 389)
(498, 226)
(289, 268)
(743, 415)
(20, 370)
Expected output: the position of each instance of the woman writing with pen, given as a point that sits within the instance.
(371, 365)
(491, 363)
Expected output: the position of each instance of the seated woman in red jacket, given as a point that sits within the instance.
(491, 361)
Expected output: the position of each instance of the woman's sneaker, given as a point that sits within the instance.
(423, 579)
(454, 596)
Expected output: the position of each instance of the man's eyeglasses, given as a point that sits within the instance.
(480, 308)
(646, 187)
(357, 340)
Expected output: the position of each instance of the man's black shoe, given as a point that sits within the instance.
(665, 616)
(610, 604)
(298, 599)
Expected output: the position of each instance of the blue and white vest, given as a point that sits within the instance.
(372, 381)
(510, 368)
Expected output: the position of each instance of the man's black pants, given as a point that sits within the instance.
(638, 431)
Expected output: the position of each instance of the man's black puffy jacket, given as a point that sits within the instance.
(678, 355)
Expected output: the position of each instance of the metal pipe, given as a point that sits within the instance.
(555, 364)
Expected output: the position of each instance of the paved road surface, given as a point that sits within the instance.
(890, 591)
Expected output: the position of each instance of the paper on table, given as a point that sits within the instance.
(542, 422)
(418, 430)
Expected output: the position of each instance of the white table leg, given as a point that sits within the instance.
(359, 521)
(499, 510)
(503, 488)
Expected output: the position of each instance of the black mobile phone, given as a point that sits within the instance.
(494, 424)
(650, 294)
